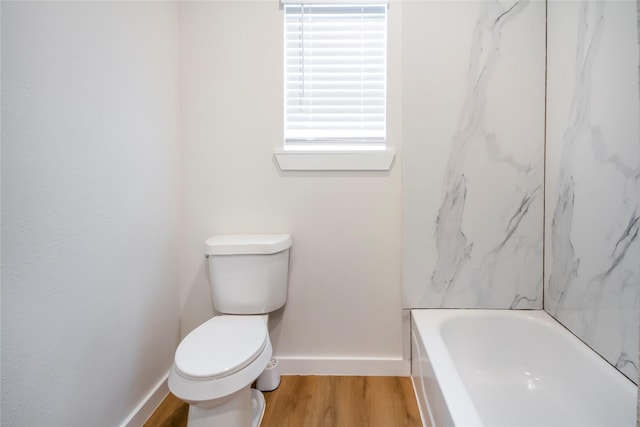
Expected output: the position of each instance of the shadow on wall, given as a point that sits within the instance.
(198, 300)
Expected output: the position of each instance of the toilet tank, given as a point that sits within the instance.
(248, 273)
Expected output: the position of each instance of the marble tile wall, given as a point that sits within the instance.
(473, 144)
(592, 210)
(475, 161)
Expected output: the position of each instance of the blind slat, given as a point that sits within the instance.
(335, 72)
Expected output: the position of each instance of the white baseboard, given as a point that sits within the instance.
(151, 401)
(376, 367)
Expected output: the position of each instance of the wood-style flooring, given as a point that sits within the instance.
(319, 401)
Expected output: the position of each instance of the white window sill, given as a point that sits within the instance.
(339, 160)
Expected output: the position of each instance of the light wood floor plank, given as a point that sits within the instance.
(316, 401)
(172, 412)
(323, 401)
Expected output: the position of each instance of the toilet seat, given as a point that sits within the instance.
(220, 347)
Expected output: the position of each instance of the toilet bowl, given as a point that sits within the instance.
(217, 362)
(214, 367)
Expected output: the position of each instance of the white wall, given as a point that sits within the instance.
(89, 208)
(344, 288)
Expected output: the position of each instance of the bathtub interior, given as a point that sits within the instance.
(486, 367)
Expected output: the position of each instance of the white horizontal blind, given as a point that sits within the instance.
(335, 73)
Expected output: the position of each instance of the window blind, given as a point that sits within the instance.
(335, 73)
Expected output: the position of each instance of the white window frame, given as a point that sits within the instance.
(341, 154)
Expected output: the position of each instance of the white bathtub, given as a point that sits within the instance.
(512, 368)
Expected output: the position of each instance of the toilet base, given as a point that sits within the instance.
(258, 405)
(243, 408)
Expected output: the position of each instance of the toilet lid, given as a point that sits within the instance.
(221, 346)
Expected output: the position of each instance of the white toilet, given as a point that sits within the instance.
(217, 362)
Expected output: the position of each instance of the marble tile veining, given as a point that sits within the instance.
(477, 171)
(592, 273)
(485, 230)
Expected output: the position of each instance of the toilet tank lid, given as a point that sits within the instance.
(247, 244)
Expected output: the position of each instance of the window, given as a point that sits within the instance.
(335, 76)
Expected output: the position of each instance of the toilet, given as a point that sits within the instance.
(215, 364)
